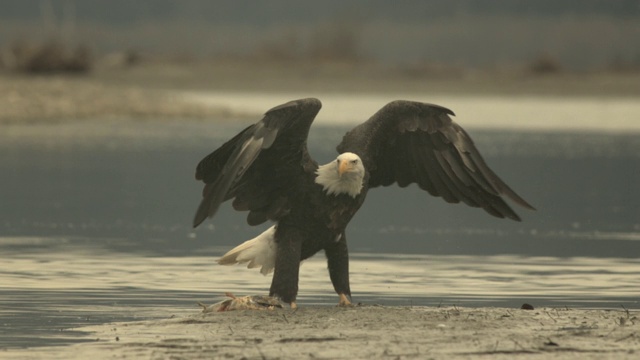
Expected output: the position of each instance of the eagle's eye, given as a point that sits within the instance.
(354, 161)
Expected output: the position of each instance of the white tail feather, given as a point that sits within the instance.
(259, 251)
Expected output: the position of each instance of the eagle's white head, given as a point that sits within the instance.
(344, 175)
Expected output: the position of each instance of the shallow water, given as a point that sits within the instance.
(45, 295)
(95, 228)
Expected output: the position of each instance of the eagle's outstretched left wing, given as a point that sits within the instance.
(412, 142)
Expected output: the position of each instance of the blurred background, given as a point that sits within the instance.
(410, 38)
(123, 54)
(106, 107)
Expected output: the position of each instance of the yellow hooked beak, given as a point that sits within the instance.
(343, 167)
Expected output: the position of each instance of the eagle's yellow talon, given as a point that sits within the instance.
(344, 300)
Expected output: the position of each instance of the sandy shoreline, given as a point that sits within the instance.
(154, 91)
(362, 332)
(54, 99)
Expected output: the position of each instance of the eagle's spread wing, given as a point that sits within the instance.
(411, 142)
(260, 167)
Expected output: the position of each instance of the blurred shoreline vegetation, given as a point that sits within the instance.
(54, 51)
(440, 40)
(49, 57)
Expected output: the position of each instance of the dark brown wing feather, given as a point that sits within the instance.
(412, 142)
(261, 167)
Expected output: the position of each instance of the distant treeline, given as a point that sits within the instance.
(120, 12)
(546, 35)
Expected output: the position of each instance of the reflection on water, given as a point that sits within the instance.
(131, 185)
(44, 294)
(95, 227)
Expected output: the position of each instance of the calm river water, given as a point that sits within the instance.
(95, 225)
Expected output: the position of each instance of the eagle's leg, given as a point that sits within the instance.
(285, 276)
(338, 263)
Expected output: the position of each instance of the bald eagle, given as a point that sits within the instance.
(267, 170)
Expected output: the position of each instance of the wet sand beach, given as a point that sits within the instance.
(361, 332)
